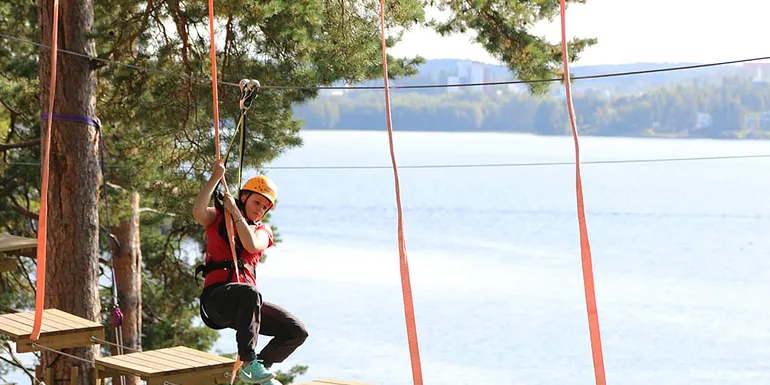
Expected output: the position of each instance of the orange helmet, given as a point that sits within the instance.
(262, 185)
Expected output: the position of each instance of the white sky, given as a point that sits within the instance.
(631, 31)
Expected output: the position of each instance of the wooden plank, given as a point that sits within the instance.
(49, 324)
(12, 328)
(208, 377)
(179, 356)
(139, 363)
(162, 364)
(175, 362)
(59, 330)
(59, 342)
(72, 320)
(131, 364)
(189, 353)
(13, 244)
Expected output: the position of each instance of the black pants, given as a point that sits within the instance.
(239, 306)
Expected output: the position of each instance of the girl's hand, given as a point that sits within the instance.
(218, 170)
(230, 205)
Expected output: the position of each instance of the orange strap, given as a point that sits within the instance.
(228, 217)
(411, 328)
(43, 216)
(585, 246)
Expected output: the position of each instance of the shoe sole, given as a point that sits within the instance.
(260, 382)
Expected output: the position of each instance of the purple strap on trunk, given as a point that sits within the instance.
(74, 118)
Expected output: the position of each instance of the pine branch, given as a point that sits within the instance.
(17, 363)
(24, 144)
(23, 211)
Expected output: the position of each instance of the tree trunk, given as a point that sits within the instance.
(128, 268)
(72, 242)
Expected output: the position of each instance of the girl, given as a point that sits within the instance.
(227, 302)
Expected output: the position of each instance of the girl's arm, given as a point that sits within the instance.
(202, 213)
(253, 241)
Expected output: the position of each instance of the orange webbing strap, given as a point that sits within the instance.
(227, 217)
(411, 328)
(43, 216)
(585, 246)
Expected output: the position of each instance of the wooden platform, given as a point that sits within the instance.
(178, 365)
(15, 245)
(12, 245)
(59, 330)
(327, 381)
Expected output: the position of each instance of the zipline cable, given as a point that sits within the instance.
(483, 165)
(404, 87)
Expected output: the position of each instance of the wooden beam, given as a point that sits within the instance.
(16, 245)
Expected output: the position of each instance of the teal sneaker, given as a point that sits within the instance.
(255, 373)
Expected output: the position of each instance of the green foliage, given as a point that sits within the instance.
(502, 28)
(19, 185)
(288, 377)
(733, 105)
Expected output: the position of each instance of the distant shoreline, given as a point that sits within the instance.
(581, 134)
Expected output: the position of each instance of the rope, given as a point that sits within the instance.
(227, 216)
(484, 165)
(107, 226)
(406, 287)
(20, 365)
(417, 86)
(531, 164)
(585, 246)
(94, 339)
(242, 148)
(62, 353)
(43, 215)
(248, 88)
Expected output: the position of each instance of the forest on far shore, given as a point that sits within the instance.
(717, 103)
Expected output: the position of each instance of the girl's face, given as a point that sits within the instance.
(256, 206)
